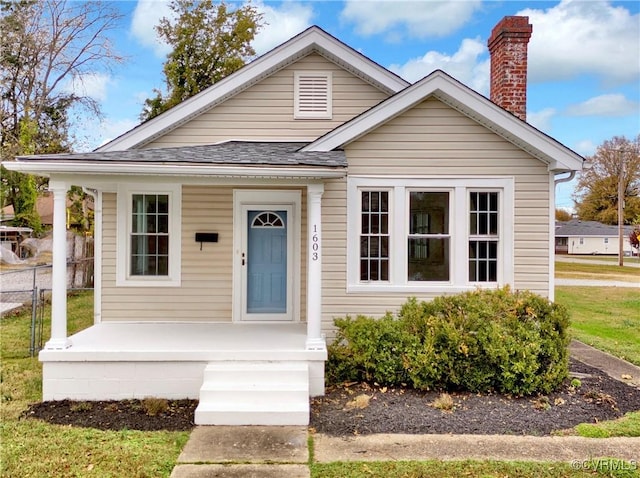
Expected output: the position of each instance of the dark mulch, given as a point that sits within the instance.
(402, 410)
(115, 415)
(391, 410)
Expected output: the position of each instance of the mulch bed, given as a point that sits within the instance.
(390, 410)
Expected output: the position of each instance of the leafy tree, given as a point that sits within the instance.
(634, 238)
(46, 47)
(210, 41)
(596, 195)
(562, 215)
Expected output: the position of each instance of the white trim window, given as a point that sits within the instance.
(148, 239)
(374, 236)
(484, 236)
(312, 95)
(433, 234)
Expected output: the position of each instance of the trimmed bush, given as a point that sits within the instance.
(485, 340)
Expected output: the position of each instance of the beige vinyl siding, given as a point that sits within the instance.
(265, 110)
(432, 140)
(205, 292)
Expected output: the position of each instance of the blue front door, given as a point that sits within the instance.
(266, 262)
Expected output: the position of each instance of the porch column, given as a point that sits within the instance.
(59, 338)
(315, 341)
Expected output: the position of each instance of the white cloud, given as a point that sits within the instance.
(584, 37)
(462, 65)
(92, 85)
(585, 147)
(281, 24)
(111, 129)
(541, 119)
(146, 16)
(611, 105)
(420, 19)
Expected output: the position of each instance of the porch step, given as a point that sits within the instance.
(254, 393)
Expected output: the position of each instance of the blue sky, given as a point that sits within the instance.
(584, 57)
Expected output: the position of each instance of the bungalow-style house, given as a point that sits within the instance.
(591, 237)
(311, 184)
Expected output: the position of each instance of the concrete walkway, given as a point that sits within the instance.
(282, 452)
(597, 283)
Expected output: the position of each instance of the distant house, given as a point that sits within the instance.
(590, 237)
(311, 184)
(44, 208)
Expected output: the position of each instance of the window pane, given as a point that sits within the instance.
(150, 203)
(137, 202)
(483, 261)
(163, 266)
(428, 213)
(163, 224)
(428, 259)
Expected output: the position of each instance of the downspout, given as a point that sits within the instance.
(97, 253)
(552, 229)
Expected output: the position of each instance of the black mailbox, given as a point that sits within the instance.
(206, 237)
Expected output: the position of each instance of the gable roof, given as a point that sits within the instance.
(468, 102)
(576, 227)
(313, 39)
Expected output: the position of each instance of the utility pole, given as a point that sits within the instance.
(621, 209)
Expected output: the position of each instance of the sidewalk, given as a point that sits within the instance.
(282, 452)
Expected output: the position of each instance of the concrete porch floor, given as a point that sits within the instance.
(187, 341)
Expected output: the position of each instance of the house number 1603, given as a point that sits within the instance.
(314, 245)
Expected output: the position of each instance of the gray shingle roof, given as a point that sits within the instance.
(237, 153)
(576, 227)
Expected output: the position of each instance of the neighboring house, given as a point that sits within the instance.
(591, 237)
(44, 209)
(311, 184)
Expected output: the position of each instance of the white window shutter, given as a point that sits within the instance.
(313, 95)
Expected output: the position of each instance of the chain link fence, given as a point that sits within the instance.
(30, 288)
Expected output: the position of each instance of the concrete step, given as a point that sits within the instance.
(257, 372)
(254, 393)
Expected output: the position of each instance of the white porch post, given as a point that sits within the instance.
(59, 338)
(315, 341)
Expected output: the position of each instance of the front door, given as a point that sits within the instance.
(266, 262)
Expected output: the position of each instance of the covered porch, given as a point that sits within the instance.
(241, 373)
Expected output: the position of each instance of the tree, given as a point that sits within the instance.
(634, 238)
(46, 47)
(562, 215)
(596, 194)
(209, 42)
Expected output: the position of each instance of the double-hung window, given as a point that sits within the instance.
(374, 236)
(148, 235)
(483, 236)
(413, 235)
(428, 243)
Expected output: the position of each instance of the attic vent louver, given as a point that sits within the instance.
(312, 95)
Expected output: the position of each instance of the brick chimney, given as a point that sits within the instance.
(508, 50)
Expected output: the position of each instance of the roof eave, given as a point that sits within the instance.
(48, 168)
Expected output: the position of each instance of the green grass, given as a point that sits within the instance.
(33, 448)
(605, 317)
(468, 468)
(613, 272)
(627, 426)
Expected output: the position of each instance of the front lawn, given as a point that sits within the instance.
(605, 317)
(33, 448)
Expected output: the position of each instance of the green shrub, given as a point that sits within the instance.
(510, 342)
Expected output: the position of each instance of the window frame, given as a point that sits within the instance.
(459, 227)
(497, 238)
(125, 194)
